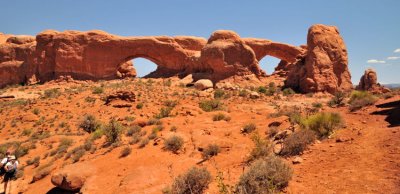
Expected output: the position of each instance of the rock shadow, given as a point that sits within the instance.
(392, 112)
(57, 190)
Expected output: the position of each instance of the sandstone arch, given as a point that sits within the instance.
(98, 55)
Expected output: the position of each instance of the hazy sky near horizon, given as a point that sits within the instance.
(370, 28)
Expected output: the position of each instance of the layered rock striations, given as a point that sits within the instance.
(319, 66)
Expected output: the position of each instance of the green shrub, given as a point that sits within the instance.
(135, 139)
(297, 142)
(221, 116)
(337, 100)
(210, 151)
(36, 111)
(154, 121)
(288, 92)
(89, 123)
(249, 127)
(360, 99)
(262, 89)
(322, 123)
(219, 93)
(195, 180)
(139, 105)
(125, 152)
(211, 105)
(271, 89)
(98, 90)
(26, 132)
(164, 112)
(97, 134)
(113, 131)
(173, 143)
(269, 175)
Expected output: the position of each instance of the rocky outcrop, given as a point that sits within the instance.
(325, 66)
(73, 177)
(95, 55)
(369, 82)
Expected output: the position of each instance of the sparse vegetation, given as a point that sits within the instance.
(98, 90)
(139, 105)
(195, 180)
(89, 123)
(164, 112)
(219, 93)
(221, 116)
(113, 131)
(269, 175)
(249, 127)
(288, 92)
(210, 151)
(125, 152)
(337, 100)
(297, 142)
(211, 105)
(360, 99)
(322, 123)
(52, 93)
(173, 143)
(262, 148)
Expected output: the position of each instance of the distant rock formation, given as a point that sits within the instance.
(325, 66)
(95, 55)
(369, 82)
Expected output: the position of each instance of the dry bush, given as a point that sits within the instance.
(173, 143)
(269, 175)
(210, 151)
(89, 123)
(125, 152)
(297, 142)
(249, 127)
(194, 181)
(262, 148)
(337, 100)
(221, 116)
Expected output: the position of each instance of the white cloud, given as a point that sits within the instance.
(393, 58)
(375, 61)
(397, 50)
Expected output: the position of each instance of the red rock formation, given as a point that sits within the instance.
(325, 66)
(369, 82)
(98, 55)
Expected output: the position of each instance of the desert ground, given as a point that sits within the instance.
(43, 125)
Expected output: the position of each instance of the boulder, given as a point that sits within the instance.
(73, 177)
(127, 96)
(369, 82)
(203, 84)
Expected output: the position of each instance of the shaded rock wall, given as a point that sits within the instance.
(98, 55)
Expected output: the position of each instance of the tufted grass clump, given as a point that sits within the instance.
(268, 175)
(125, 152)
(360, 99)
(52, 93)
(262, 148)
(195, 180)
(288, 92)
(322, 123)
(337, 100)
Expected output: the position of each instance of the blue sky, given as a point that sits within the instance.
(370, 28)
